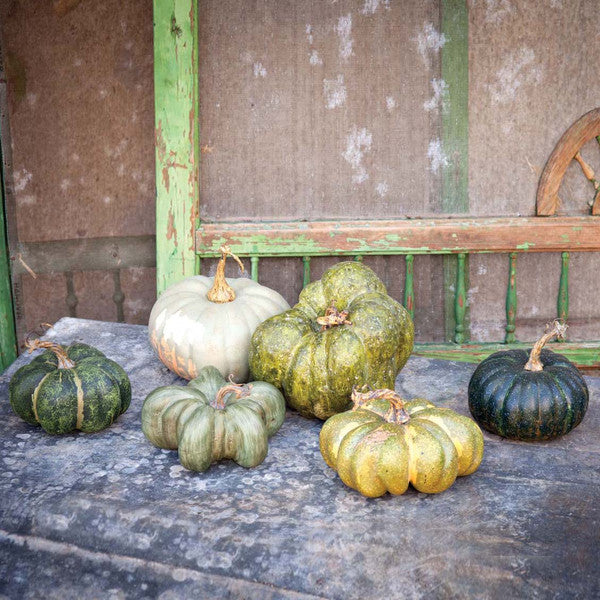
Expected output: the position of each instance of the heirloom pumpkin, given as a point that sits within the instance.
(385, 443)
(344, 331)
(528, 395)
(212, 419)
(208, 321)
(69, 388)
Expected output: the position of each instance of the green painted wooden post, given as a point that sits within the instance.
(8, 336)
(305, 271)
(254, 268)
(455, 134)
(562, 303)
(358, 258)
(511, 300)
(460, 300)
(409, 295)
(176, 138)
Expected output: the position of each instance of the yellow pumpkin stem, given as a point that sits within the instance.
(64, 362)
(396, 414)
(333, 317)
(558, 329)
(221, 292)
(241, 390)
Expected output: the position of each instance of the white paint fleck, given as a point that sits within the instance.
(31, 99)
(498, 10)
(556, 4)
(429, 39)
(22, 179)
(390, 103)
(334, 91)
(471, 293)
(309, 34)
(65, 184)
(343, 29)
(481, 270)
(75, 157)
(437, 157)
(107, 199)
(121, 170)
(103, 94)
(357, 144)
(440, 95)
(78, 62)
(382, 189)
(518, 70)
(315, 59)
(259, 70)
(370, 6)
(246, 57)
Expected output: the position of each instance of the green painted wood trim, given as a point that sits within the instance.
(583, 354)
(562, 303)
(8, 336)
(409, 293)
(176, 138)
(254, 268)
(460, 299)
(455, 134)
(511, 299)
(305, 271)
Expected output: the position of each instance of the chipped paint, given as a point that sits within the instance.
(358, 143)
(334, 91)
(171, 230)
(343, 29)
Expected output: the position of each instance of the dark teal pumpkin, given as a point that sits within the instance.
(509, 398)
(70, 388)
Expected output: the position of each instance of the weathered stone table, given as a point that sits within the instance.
(108, 515)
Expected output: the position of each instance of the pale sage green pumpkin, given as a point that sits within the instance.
(203, 321)
(384, 444)
(212, 419)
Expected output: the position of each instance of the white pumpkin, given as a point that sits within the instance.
(204, 321)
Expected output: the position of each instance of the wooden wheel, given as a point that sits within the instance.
(567, 149)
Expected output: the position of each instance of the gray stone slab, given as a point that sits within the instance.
(108, 515)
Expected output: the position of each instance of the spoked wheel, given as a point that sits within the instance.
(568, 149)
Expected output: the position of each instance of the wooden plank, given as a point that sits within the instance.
(585, 355)
(177, 155)
(581, 132)
(406, 236)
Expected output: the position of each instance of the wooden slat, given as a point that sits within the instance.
(176, 121)
(407, 236)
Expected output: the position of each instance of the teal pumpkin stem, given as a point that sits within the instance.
(241, 390)
(534, 363)
(64, 362)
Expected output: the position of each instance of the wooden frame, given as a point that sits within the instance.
(181, 242)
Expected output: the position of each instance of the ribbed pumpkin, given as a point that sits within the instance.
(385, 443)
(204, 321)
(528, 395)
(212, 419)
(69, 388)
(345, 331)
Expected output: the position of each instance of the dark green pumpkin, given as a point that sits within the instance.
(69, 388)
(367, 338)
(509, 399)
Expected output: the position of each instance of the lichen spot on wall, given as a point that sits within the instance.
(439, 97)
(358, 142)
(315, 59)
(518, 69)
(370, 6)
(390, 103)
(343, 29)
(429, 40)
(437, 157)
(259, 70)
(382, 189)
(334, 91)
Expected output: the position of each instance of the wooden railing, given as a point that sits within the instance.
(410, 237)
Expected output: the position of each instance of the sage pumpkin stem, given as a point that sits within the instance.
(396, 414)
(64, 362)
(558, 329)
(241, 390)
(221, 292)
(333, 317)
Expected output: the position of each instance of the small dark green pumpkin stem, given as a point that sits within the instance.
(396, 414)
(558, 329)
(221, 292)
(241, 390)
(64, 362)
(333, 317)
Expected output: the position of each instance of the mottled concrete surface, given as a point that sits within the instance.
(109, 516)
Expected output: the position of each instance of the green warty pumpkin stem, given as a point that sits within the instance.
(241, 390)
(64, 362)
(396, 414)
(558, 329)
(221, 292)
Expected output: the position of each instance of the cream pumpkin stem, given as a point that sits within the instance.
(396, 414)
(221, 292)
(558, 329)
(333, 317)
(64, 362)
(241, 390)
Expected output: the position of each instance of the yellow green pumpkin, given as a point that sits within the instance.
(383, 444)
